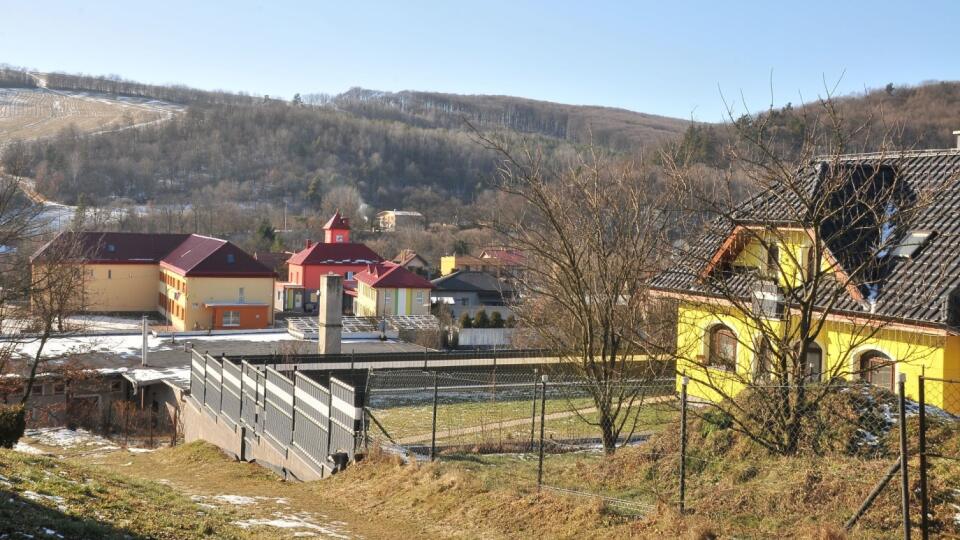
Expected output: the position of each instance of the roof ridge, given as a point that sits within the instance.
(892, 153)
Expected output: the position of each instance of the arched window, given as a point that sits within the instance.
(877, 369)
(813, 363)
(722, 351)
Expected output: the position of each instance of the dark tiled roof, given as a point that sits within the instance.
(389, 274)
(921, 289)
(205, 256)
(113, 247)
(472, 281)
(335, 253)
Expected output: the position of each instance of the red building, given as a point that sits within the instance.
(335, 254)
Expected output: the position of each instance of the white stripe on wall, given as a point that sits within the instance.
(353, 412)
(314, 403)
(277, 391)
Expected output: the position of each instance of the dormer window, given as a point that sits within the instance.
(231, 258)
(911, 244)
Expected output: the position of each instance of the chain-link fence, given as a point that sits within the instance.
(937, 418)
(830, 451)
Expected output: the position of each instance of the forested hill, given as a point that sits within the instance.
(619, 129)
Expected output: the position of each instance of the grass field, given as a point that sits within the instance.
(27, 113)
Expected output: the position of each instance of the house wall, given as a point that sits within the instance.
(371, 302)
(309, 275)
(119, 287)
(457, 309)
(195, 291)
(843, 343)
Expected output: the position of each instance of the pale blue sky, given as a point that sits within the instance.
(667, 57)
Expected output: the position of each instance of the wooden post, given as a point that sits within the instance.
(683, 441)
(543, 407)
(904, 480)
(433, 436)
(533, 413)
(924, 498)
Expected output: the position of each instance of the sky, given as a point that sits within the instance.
(674, 58)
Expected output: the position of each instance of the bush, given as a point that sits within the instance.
(496, 320)
(481, 320)
(466, 321)
(13, 422)
(511, 322)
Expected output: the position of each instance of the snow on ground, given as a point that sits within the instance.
(104, 322)
(238, 499)
(68, 438)
(178, 375)
(303, 521)
(25, 448)
(57, 500)
(130, 345)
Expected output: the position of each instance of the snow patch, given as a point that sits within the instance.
(34, 496)
(302, 521)
(25, 448)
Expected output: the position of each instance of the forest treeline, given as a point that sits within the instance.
(609, 127)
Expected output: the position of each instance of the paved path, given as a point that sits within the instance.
(425, 437)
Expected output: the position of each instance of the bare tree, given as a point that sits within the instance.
(592, 232)
(809, 250)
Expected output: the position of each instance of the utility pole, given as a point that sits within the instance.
(143, 348)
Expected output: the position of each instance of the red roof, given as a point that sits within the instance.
(507, 256)
(390, 274)
(186, 254)
(112, 247)
(338, 222)
(205, 256)
(335, 253)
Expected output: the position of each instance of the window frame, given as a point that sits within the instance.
(229, 312)
(868, 371)
(714, 360)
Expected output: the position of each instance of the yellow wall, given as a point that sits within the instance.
(842, 343)
(371, 302)
(447, 264)
(196, 291)
(120, 287)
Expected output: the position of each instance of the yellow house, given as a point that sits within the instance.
(387, 289)
(195, 282)
(886, 293)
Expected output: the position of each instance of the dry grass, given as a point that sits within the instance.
(27, 114)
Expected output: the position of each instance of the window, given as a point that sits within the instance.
(349, 276)
(231, 318)
(876, 368)
(813, 363)
(109, 274)
(339, 238)
(387, 298)
(723, 348)
(116, 386)
(773, 260)
(419, 298)
(59, 388)
(464, 301)
(909, 246)
(231, 258)
(240, 295)
(111, 248)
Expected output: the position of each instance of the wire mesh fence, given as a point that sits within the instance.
(766, 451)
(937, 419)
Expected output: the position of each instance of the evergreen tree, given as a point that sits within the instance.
(496, 320)
(481, 320)
(466, 321)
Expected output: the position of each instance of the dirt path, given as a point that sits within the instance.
(425, 437)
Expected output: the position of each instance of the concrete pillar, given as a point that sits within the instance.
(331, 308)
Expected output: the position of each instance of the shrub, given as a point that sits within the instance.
(12, 424)
(466, 321)
(511, 322)
(481, 320)
(496, 320)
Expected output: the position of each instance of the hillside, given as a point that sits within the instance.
(619, 129)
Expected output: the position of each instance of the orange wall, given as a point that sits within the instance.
(250, 317)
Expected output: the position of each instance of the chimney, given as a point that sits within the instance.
(331, 309)
(957, 133)
(309, 243)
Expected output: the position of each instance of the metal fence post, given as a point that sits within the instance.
(904, 480)
(533, 412)
(433, 435)
(924, 499)
(543, 408)
(683, 441)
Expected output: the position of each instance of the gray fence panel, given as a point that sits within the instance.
(311, 418)
(346, 417)
(230, 397)
(278, 407)
(197, 375)
(251, 390)
(213, 382)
